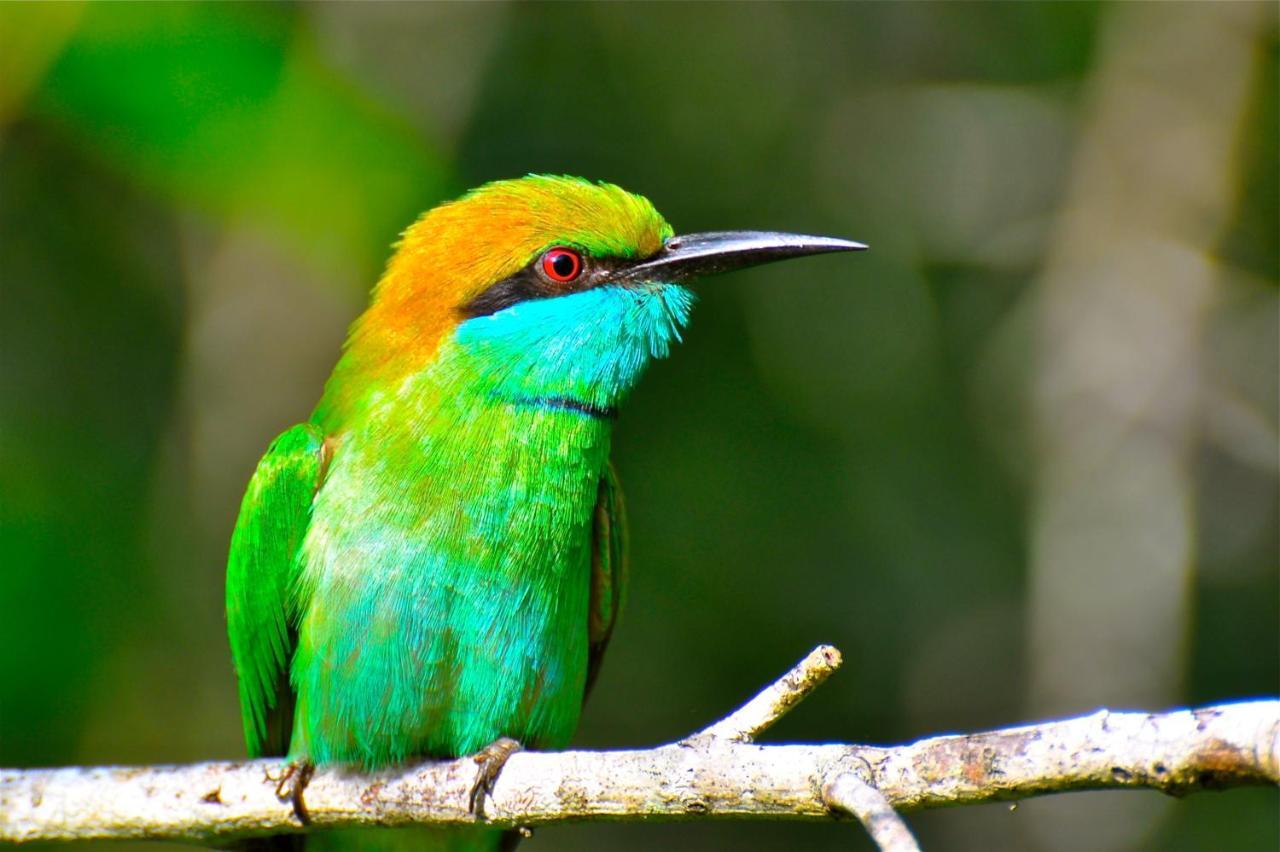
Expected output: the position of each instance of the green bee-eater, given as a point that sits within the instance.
(435, 560)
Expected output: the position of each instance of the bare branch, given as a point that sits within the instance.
(707, 775)
(849, 793)
(772, 703)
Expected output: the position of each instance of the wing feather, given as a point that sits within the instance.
(608, 571)
(262, 614)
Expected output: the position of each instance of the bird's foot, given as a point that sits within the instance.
(289, 786)
(491, 759)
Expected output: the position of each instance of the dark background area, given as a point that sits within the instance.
(1018, 461)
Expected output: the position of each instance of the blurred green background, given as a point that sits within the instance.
(1017, 461)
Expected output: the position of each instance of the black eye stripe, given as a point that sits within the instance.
(529, 283)
(524, 285)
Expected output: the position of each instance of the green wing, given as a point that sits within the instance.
(608, 571)
(261, 572)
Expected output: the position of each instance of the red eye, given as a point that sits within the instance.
(562, 264)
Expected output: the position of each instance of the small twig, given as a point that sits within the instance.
(712, 774)
(849, 793)
(775, 700)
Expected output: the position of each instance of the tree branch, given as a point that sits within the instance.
(715, 773)
(849, 793)
(775, 700)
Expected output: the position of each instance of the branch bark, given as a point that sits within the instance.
(849, 793)
(717, 772)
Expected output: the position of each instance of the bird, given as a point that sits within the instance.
(433, 563)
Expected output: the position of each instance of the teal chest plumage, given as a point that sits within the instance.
(446, 563)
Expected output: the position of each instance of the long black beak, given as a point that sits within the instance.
(691, 255)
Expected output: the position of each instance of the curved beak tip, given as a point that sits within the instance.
(846, 245)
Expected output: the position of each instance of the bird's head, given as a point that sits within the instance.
(544, 287)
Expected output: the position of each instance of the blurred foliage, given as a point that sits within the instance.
(195, 198)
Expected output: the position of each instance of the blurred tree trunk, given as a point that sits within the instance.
(1128, 287)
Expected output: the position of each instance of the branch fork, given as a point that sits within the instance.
(847, 792)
